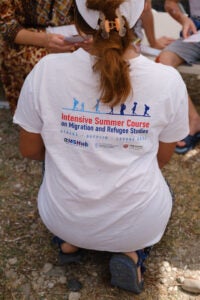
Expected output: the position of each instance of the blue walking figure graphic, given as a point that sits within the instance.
(111, 112)
(123, 108)
(97, 106)
(147, 108)
(76, 102)
(82, 106)
(134, 108)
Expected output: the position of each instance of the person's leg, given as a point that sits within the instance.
(194, 120)
(172, 59)
(68, 253)
(127, 268)
(68, 248)
(134, 257)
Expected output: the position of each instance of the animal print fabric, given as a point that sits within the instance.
(18, 60)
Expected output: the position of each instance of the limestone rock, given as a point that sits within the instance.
(191, 285)
(74, 296)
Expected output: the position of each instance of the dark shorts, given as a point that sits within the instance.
(189, 52)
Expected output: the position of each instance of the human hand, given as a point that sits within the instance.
(86, 44)
(188, 27)
(162, 42)
(56, 43)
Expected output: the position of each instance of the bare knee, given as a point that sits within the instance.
(170, 59)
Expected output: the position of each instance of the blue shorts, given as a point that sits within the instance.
(196, 21)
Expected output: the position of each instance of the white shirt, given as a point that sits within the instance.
(102, 187)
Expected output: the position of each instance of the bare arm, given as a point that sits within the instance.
(148, 26)
(172, 7)
(55, 43)
(148, 23)
(165, 153)
(14, 32)
(31, 145)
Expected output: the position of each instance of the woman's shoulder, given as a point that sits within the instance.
(58, 65)
(54, 58)
(150, 63)
(156, 71)
(50, 62)
(62, 59)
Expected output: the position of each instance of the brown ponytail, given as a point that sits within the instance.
(115, 85)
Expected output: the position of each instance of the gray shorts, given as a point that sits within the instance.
(189, 52)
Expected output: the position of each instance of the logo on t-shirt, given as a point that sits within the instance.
(104, 127)
(80, 106)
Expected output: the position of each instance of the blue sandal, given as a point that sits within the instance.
(66, 258)
(190, 142)
(124, 271)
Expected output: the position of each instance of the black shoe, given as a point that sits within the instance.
(66, 258)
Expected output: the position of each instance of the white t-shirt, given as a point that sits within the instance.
(102, 186)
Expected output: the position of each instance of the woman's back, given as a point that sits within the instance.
(101, 163)
(105, 121)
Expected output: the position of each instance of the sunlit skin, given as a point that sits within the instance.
(172, 59)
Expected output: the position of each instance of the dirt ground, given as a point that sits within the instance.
(28, 262)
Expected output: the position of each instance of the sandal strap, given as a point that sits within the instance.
(56, 240)
(66, 258)
(142, 256)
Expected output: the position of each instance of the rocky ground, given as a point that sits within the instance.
(29, 269)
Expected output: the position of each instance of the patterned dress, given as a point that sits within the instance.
(17, 60)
